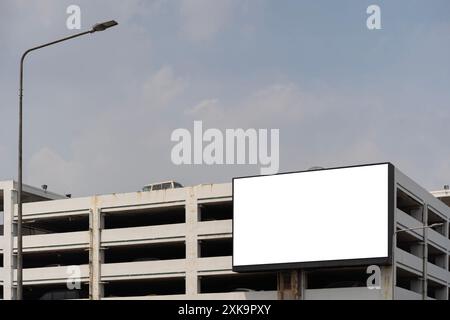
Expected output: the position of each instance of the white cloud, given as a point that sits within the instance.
(162, 87)
(208, 109)
(120, 151)
(275, 103)
(268, 107)
(48, 167)
(202, 19)
(105, 154)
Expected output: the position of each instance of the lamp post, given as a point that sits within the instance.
(96, 28)
(424, 258)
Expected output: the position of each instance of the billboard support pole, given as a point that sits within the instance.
(295, 284)
(280, 286)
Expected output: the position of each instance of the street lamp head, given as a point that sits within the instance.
(104, 25)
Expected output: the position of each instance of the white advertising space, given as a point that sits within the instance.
(312, 216)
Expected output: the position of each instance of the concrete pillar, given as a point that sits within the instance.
(192, 217)
(425, 255)
(9, 263)
(95, 253)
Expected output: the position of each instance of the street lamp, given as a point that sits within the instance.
(103, 26)
(98, 27)
(424, 258)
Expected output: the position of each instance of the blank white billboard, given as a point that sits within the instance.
(324, 217)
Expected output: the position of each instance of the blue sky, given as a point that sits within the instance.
(99, 111)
